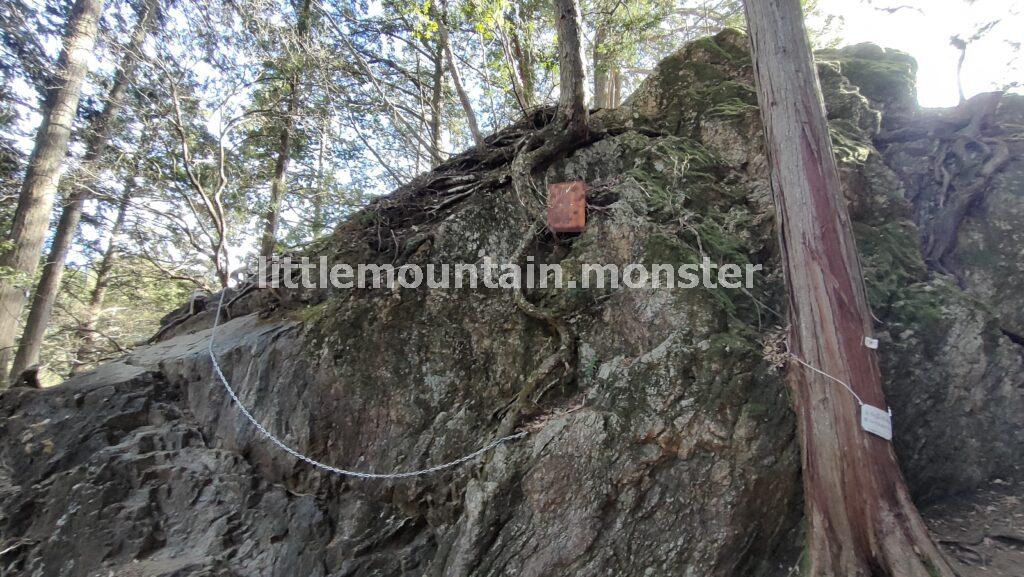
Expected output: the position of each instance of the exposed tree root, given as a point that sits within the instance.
(539, 149)
(511, 156)
(535, 152)
(965, 161)
(564, 355)
(954, 202)
(428, 197)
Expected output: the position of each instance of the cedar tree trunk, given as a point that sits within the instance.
(860, 519)
(572, 109)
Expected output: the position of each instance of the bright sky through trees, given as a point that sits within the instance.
(923, 28)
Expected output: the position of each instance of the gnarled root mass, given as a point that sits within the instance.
(534, 153)
(966, 159)
(564, 355)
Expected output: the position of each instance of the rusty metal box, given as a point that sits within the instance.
(567, 206)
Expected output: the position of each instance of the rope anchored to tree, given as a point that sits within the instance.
(323, 466)
(872, 419)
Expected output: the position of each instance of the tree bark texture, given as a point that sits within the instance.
(860, 519)
(572, 108)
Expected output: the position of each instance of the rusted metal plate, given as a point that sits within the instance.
(567, 206)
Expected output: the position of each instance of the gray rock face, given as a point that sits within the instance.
(114, 473)
(671, 450)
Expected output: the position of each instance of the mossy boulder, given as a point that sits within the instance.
(887, 77)
(671, 450)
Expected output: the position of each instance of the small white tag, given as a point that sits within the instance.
(876, 421)
(870, 343)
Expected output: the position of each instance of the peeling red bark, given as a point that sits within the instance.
(861, 520)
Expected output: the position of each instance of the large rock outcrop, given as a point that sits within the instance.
(671, 450)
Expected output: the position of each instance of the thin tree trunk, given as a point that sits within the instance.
(616, 88)
(572, 109)
(513, 71)
(435, 106)
(962, 47)
(422, 109)
(31, 219)
(87, 327)
(453, 71)
(861, 521)
(522, 50)
(570, 126)
(279, 182)
(602, 80)
(318, 225)
(99, 134)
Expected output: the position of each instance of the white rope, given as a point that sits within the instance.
(330, 469)
(827, 376)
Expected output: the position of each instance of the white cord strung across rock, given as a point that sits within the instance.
(306, 459)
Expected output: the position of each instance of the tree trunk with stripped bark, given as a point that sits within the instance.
(860, 519)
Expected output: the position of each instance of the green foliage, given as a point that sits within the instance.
(351, 84)
(138, 296)
(626, 27)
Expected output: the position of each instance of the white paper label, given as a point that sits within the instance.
(876, 421)
(870, 343)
